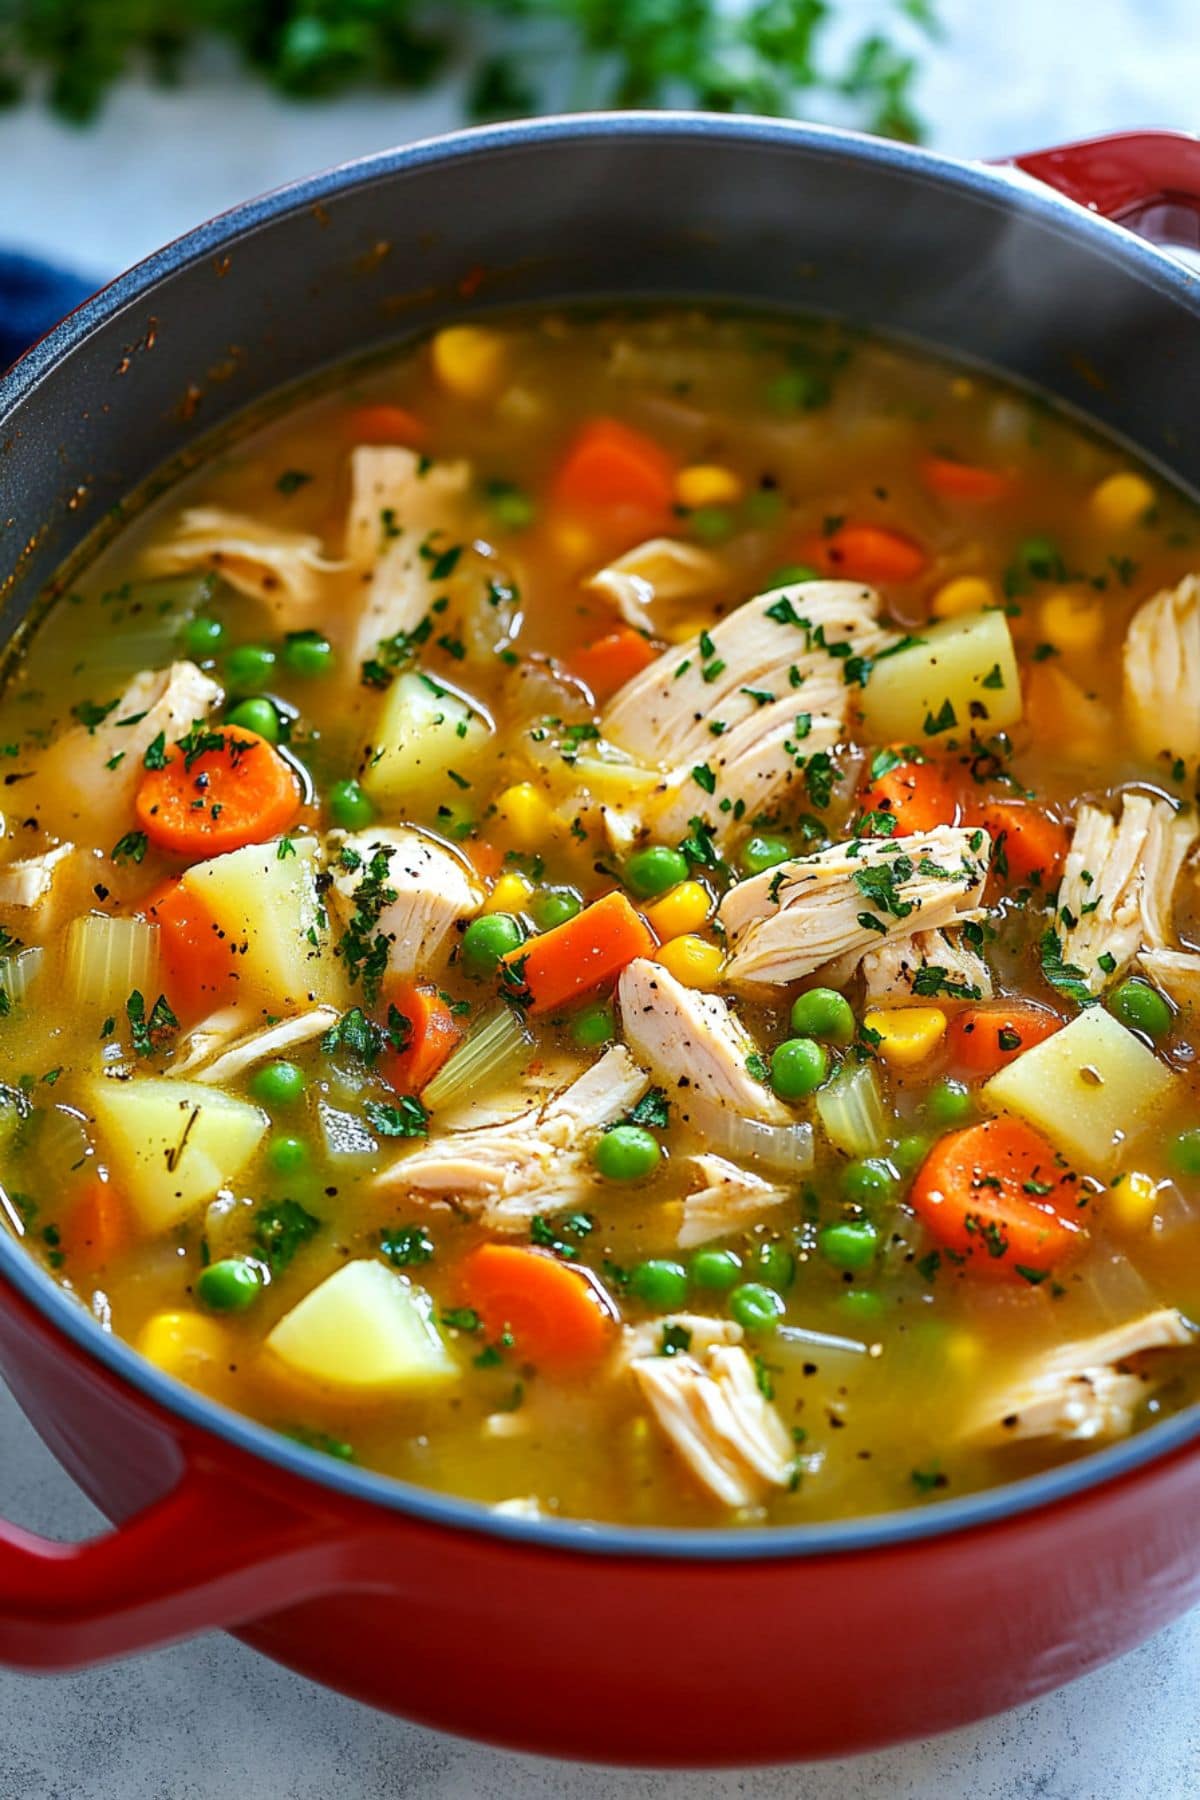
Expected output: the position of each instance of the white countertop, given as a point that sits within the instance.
(209, 1720)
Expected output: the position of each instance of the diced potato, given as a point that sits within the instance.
(960, 676)
(426, 735)
(172, 1144)
(366, 1331)
(1093, 1088)
(270, 904)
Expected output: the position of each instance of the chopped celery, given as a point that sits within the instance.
(851, 1111)
(17, 973)
(498, 1046)
(108, 959)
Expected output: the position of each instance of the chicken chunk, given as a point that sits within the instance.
(1162, 674)
(839, 903)
(28, 882)
(507, 1172)
(1176, 972)
(1083, 1392)
(928, 965)
(1117, 885)
(693, 1042)
(404, 513)
(649, 581)
(427, 890)
(214, 1054)
(281, 568)
(709, 1406)
(729, 1199)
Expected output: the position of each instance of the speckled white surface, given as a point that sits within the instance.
(209, 1720)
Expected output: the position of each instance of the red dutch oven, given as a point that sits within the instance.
(580, 1640)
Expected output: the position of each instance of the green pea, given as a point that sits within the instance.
(1040, 557)
(910, 1152)
(860, 1305)
(948, 1103)
(756, 1307)
(231, 1285)
(774, 1264)
(823, 1013)
(1183, 1152)
(627, 1153)
(249, 666)
(593, 1026)
(868, 1180)
(203, 636)
(349, 807)
(654, 870)
(486, 940)
(255, 715)
(850, 1245)
(307, 653)
(798, 1067)
(278, 1084)
(789, 575)
(287, 1155)
(510, 506)
(711, 524)
(660, 1283)
(717, 1270)
(1142, 1008)
(759, 853)
(554, 906)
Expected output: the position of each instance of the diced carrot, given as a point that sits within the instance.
(487, 859)
(384, 424)
(558, 1317)
(97, 1228)
(982, 1039)
(1027, 841)
(964, 481)
(611, 465)
(998, 1200)
(434, 1032)
(864, 553)
(206, 801)
(573, 958)
(917, 794)
(609, 662)
(199, 964)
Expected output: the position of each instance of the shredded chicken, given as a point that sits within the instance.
(729, 1199)
(507, 1172)
(431, 889)
(841, 902)
(213, 1054)
(928, 965)
(1118, 882)
(648, 579)
(404, 511)
(1085, 1391)
(281, 568)
(28, 882)
(1176, 972)
(703, 1334)
(708, 1403)
(1162, 674)
(693, 1042)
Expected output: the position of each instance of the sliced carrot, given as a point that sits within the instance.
(998, 1200)
(572, 959)
(982, 1039)
(558, 1317)
(864, 553)
(917, 794)
(384, 424)
(964, 481)
(609, 662)
(611, 465)
(434, 1033)
(209, 800)
(199, 963)
(1028, 841)
(97, 1228)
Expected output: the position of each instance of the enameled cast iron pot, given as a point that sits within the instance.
(655, 1646)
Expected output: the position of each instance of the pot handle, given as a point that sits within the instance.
(211, 1553)
(1148, 180)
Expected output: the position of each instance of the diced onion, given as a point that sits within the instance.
(144, 627)
(61, 1142)
(817, 1343)
(107, 959)
(17, 972)
(500, 1045)
(346, 1137)
(785, 1148)
(851, 1111)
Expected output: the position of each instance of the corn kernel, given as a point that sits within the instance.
(573, 543)
(1131, 1203)
(684, 909)
(184, 1344)
(510, 894)
(1073, 623)
(528, 815)
(907, 1034)
(708, 484)
(1121, 500)
(469, 361)
(692, 961)
(963, 594)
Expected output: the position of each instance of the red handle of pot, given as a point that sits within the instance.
(1149, 180)
(210, 1553)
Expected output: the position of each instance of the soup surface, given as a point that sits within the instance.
(606, 919)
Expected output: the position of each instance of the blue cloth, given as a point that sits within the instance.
(33, 296)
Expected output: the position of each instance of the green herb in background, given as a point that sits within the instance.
(768, 56)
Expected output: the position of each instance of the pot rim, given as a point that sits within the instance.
(1007, 189)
